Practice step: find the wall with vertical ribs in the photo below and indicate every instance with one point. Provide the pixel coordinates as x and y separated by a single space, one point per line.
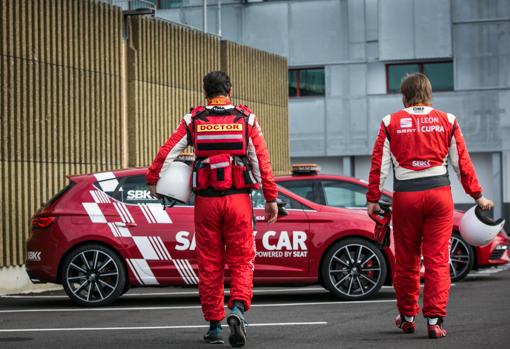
61 97
59 104
166 63
259 81
165 81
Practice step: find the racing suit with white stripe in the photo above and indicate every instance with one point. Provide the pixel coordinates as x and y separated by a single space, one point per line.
223 222
420 142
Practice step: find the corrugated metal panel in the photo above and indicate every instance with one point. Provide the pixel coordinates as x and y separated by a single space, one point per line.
61 94
259 80
166 65
60 104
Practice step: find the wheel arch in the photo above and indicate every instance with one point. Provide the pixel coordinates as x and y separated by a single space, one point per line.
475 251
86 242
350 235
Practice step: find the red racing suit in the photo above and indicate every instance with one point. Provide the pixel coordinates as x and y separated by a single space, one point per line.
223 219
417 142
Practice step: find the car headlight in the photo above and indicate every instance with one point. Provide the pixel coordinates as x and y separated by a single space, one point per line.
501 247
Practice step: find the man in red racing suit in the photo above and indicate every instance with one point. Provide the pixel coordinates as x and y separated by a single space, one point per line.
417 141
224 216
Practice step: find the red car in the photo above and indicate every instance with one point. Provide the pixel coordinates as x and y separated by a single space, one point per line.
348 192
105 233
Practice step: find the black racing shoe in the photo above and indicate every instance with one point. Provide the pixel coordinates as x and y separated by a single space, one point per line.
213 336
237 325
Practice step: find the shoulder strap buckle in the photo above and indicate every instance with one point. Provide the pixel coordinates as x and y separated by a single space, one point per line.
198 112
244 110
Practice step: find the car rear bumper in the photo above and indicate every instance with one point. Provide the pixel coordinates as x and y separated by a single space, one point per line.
42 256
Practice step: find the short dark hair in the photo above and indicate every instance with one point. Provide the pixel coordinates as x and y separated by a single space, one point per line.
416 89
216 83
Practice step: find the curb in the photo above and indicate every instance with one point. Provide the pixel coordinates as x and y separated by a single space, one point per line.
14 280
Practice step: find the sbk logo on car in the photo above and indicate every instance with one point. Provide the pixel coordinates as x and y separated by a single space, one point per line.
34 256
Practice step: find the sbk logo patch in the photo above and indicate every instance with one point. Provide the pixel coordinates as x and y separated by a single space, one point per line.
421 163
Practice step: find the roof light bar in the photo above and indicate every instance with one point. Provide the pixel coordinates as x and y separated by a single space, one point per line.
305 169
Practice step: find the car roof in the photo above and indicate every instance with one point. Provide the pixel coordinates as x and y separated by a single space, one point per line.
131 171
320 176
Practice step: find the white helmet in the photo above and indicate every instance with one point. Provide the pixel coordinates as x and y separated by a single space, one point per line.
478 229
174 183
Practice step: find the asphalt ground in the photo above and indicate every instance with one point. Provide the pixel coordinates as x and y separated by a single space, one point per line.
290 317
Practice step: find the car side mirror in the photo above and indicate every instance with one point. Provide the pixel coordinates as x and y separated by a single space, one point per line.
281 207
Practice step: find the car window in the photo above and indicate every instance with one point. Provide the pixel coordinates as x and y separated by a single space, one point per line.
305 189
290 202
259 201
257 198
345 194
134 190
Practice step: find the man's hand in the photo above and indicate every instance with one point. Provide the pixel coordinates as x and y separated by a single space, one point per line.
271 209
484 203
373 207
152 189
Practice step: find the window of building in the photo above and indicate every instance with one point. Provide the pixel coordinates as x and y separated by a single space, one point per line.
138 4
168 4
306 82
440 74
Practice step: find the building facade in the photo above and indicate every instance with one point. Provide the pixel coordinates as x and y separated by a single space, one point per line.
346 58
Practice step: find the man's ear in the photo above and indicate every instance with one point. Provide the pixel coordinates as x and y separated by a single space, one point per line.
229 92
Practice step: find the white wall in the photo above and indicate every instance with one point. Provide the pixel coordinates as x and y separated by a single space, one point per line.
414 29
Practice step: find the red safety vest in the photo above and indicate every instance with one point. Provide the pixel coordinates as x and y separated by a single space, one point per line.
220 140
220 131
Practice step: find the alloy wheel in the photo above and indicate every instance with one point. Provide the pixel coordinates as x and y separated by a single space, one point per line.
92 276
460 258
355 270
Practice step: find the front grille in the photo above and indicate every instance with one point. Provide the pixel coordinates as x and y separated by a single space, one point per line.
497 254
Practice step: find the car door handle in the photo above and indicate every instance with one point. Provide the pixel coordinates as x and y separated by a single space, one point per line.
122 224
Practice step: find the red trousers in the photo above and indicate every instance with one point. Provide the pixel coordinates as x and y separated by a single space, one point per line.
422 224
224 234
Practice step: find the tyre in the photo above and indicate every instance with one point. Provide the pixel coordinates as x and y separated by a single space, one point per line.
462 258
353 269
93 275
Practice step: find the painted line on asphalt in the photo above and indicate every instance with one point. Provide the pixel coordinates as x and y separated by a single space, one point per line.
271 324
421 286
179 293
184 293
63 310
